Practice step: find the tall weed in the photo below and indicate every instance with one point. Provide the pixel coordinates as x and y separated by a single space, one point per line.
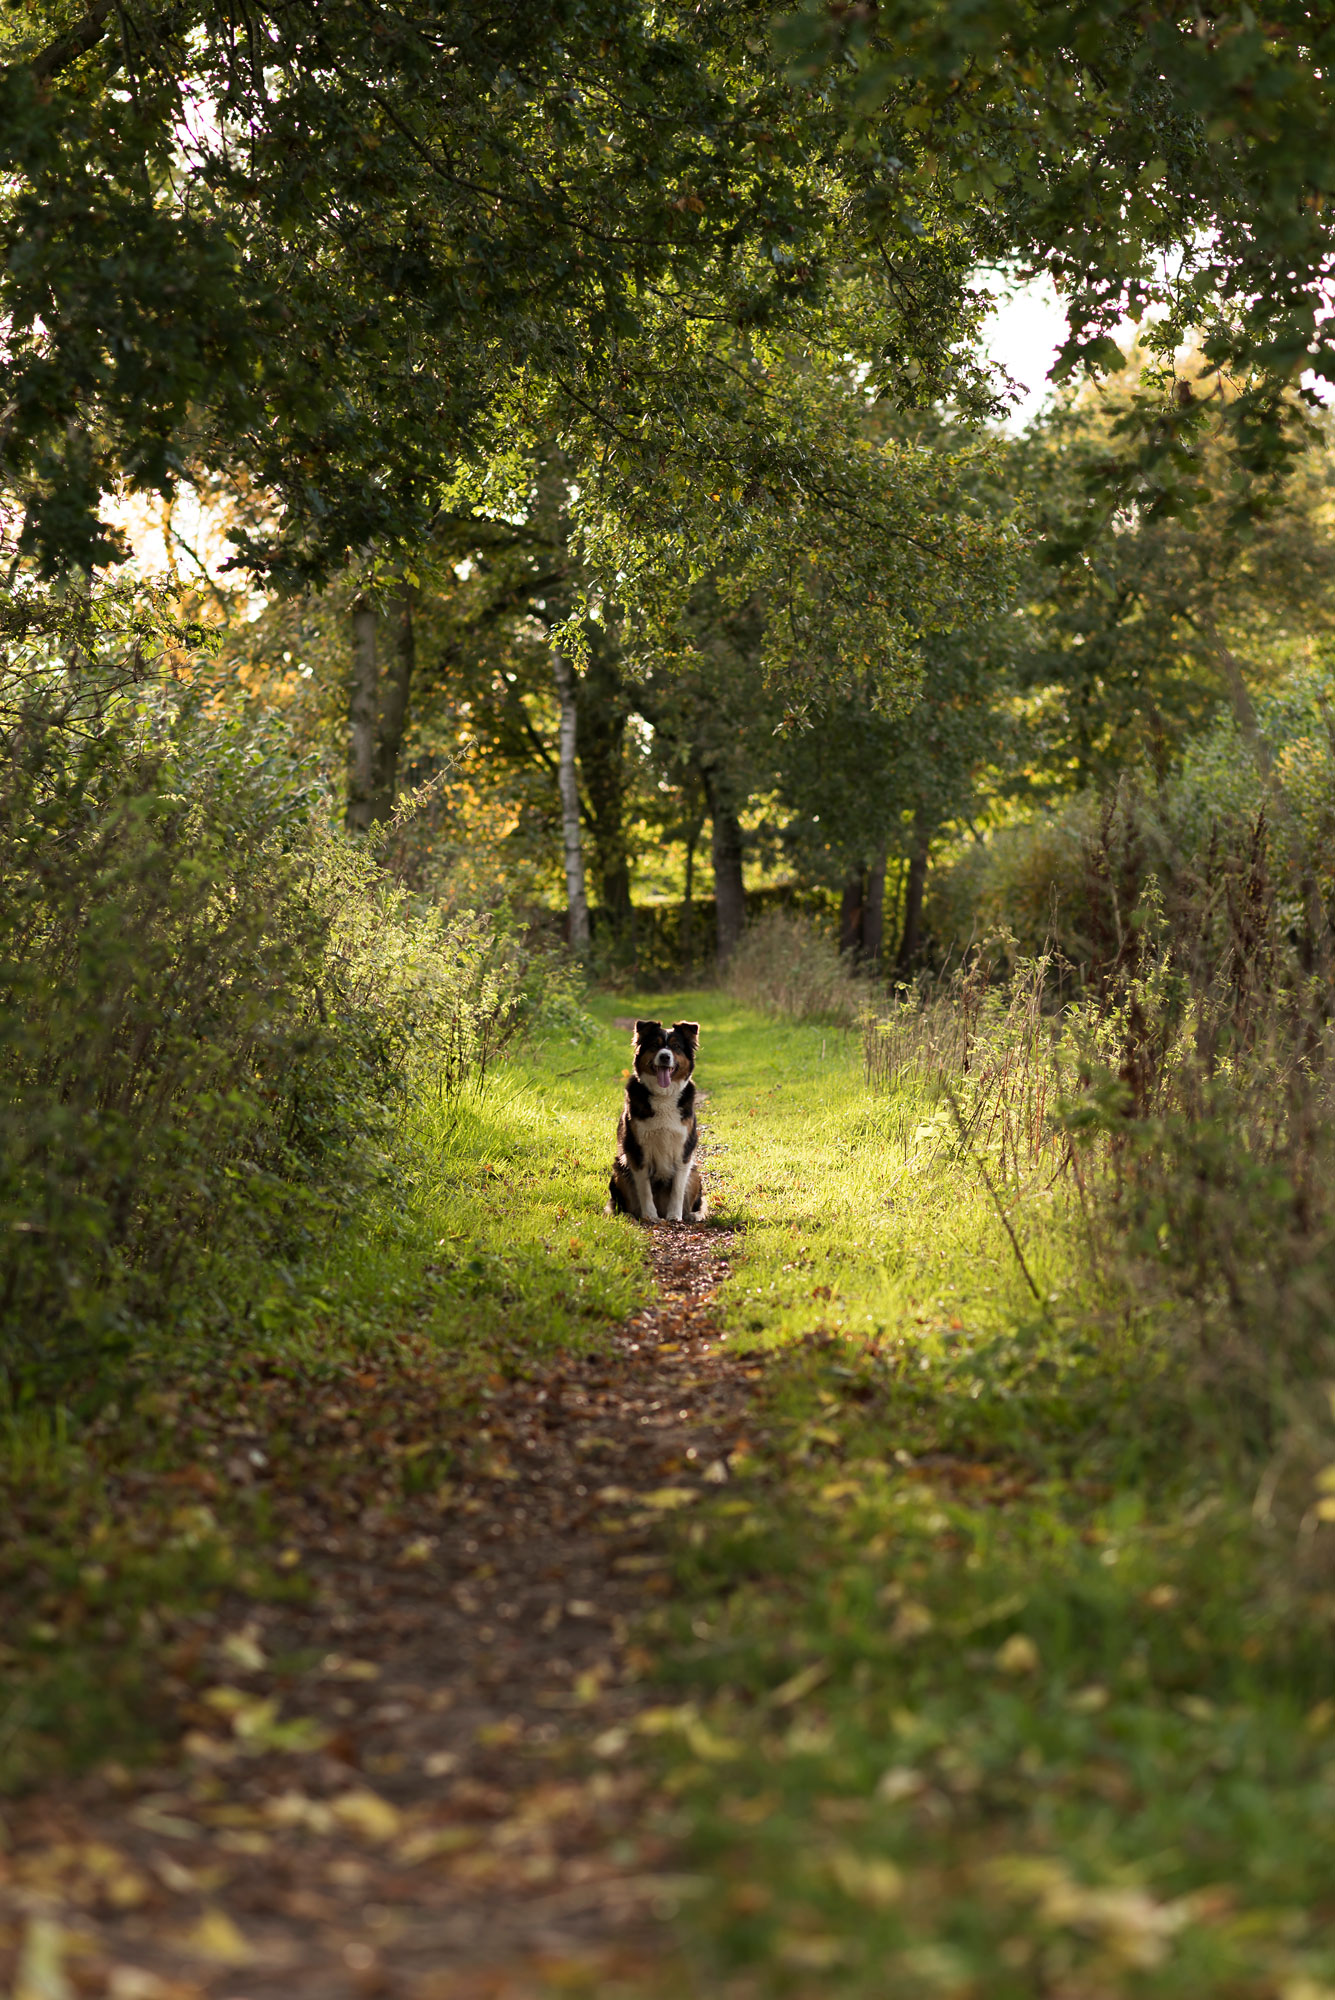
1182 1094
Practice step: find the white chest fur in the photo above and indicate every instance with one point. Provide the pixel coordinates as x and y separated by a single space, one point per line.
663 1134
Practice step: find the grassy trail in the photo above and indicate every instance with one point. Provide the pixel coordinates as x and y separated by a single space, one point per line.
863 1629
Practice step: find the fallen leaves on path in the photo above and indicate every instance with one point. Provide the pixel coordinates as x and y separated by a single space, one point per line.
410 1783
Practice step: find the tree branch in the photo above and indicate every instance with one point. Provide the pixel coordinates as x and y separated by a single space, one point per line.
67 49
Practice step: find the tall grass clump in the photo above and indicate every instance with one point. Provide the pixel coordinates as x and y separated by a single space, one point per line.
1181 1094
211 1003
785 965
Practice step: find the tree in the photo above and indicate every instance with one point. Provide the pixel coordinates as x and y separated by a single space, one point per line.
1145 153
1141 627
343 247
861 788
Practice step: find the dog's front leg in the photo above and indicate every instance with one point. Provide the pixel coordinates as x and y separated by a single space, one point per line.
677 1197
644 1194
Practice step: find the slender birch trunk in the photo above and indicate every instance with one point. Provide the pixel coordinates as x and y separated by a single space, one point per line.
363 714
577 900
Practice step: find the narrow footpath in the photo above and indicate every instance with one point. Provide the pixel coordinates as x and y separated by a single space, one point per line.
416 1783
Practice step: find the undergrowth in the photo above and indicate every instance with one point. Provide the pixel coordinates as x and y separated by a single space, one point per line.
136 1533
1002 1662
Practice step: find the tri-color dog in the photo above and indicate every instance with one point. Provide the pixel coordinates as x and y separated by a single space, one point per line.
654 1175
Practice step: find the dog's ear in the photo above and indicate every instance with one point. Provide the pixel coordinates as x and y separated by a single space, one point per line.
689 1032
643 1028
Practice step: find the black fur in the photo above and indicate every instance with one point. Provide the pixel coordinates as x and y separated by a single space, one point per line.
657 1135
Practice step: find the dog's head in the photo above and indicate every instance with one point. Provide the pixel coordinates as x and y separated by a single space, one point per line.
664 1056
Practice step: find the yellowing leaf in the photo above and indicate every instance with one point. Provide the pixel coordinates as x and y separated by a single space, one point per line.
1017 1655
433 1841
366 1813
901 1781
243 1649
661 1721
419 1550
912 1621
710 1747
339 1669
41 1967
255 1719
665 1498
867 1878
216 1937
800 1684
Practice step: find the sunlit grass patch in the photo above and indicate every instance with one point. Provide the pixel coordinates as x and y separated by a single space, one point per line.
355 1369
987 1685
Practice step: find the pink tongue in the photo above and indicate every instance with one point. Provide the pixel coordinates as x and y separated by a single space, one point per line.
664 1078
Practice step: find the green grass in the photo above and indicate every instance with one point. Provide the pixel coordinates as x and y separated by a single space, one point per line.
486 1248
987 1684
980 1676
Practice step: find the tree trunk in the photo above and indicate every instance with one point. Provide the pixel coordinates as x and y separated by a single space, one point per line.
602 713
850 911
729 890
911 941
577 901
395 696
362 716
873 909
691 832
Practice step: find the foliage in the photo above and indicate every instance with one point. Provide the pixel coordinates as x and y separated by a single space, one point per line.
1141 630
211 1002
1164 166
409 245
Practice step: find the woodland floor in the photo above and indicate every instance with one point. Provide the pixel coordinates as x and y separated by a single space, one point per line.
463 1827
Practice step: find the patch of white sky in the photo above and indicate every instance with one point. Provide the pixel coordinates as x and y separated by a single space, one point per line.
1027 329
1023 335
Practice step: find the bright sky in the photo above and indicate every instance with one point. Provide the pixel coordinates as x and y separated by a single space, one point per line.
1024 334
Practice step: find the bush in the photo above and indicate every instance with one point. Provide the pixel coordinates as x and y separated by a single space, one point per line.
209 1003
1183 1096
785 965
1030 879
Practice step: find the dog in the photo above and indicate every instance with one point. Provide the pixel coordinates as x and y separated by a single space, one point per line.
655 1175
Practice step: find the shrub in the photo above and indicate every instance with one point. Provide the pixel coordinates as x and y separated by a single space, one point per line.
785 965
209 1003
1183 1095
1029 879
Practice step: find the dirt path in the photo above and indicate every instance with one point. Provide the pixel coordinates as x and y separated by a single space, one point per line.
468 1825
